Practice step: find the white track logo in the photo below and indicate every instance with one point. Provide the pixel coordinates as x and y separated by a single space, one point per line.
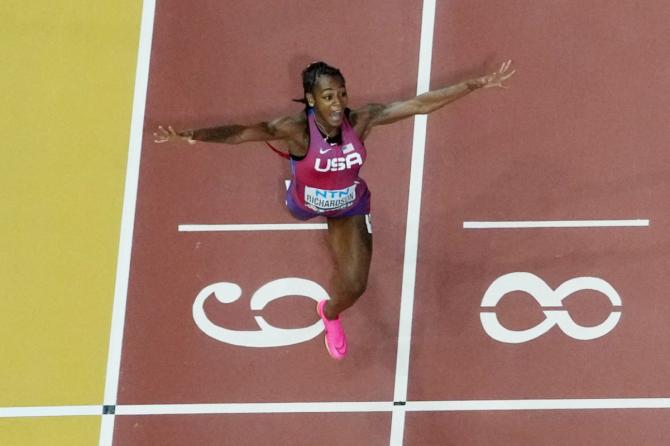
546 297
268 335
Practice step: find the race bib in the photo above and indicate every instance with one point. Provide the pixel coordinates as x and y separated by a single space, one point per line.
321 200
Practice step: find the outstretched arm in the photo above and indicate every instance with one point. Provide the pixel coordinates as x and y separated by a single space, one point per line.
380 114
282 128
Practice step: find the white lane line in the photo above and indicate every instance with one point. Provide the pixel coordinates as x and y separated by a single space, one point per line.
178 409
337 407
412 234
554 224
107 430
254 227
128 218
551 404
49 411
397 425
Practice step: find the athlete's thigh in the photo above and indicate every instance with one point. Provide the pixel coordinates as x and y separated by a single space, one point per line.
351 243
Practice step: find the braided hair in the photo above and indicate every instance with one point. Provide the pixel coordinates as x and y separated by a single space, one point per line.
311 74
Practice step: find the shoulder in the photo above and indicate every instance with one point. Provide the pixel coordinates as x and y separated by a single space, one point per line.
365 114
363 118
288 125
289 122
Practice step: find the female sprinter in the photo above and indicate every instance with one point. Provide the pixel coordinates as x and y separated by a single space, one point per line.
325 145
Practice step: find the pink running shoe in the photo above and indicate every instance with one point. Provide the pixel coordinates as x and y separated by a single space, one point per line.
336 341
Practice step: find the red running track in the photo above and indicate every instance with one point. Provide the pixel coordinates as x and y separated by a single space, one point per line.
579 136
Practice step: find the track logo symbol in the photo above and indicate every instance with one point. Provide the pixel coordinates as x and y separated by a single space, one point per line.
546 297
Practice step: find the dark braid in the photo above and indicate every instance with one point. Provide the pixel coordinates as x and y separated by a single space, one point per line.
311 74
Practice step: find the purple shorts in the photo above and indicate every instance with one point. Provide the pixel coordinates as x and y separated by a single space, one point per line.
360 208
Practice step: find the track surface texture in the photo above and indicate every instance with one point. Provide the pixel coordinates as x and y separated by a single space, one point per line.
580 135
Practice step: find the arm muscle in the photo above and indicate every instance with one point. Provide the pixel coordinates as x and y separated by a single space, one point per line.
279 129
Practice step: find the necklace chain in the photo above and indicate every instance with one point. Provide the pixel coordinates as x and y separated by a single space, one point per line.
328 134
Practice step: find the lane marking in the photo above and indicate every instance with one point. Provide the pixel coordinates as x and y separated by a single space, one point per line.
107 430
398 410
549 404
412 231
398 425
49 411
178 409
554 224
127 219
254 227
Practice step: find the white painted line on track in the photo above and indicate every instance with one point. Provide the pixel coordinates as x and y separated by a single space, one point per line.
338 407
107 430
128 218
550 404
554 224
412 231
178 409
49 411
254 227
397 425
